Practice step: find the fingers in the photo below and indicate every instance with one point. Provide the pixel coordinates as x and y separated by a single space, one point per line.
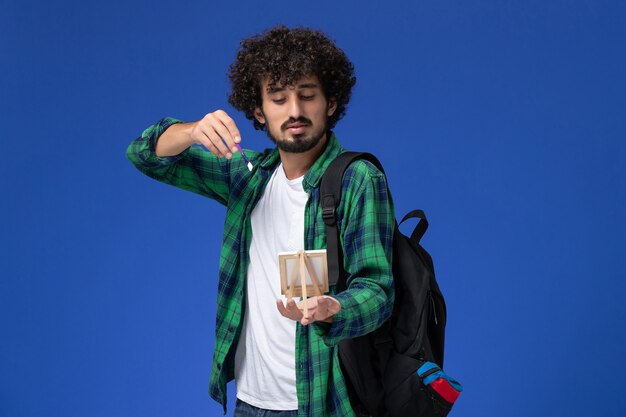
227 130
315 309
294 311
291 310
320 308
218 133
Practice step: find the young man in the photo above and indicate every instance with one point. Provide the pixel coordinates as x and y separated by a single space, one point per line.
294 84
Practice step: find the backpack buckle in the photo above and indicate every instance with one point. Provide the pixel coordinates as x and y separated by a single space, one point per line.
328 210
328 214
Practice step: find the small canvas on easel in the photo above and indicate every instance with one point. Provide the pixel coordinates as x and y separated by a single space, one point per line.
303 273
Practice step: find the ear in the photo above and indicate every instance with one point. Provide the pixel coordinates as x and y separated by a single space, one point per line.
332 106
258 115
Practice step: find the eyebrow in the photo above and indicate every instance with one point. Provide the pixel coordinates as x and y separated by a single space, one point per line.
276 89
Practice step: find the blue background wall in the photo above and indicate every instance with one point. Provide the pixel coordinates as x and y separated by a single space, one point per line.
504 120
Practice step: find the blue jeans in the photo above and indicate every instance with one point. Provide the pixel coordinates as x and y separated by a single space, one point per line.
243 409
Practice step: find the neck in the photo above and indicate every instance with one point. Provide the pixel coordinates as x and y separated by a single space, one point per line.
298 164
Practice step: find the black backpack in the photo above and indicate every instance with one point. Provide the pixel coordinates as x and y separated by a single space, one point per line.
397 370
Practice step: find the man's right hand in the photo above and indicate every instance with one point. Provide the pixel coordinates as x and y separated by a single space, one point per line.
216 131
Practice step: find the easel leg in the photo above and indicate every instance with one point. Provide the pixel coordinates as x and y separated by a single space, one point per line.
316 283
294 277
303 283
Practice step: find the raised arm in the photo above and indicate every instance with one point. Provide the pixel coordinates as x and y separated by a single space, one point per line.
166 153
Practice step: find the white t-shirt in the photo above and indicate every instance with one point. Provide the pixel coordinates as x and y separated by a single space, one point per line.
265 357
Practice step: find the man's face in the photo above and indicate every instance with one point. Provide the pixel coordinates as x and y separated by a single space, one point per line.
295 116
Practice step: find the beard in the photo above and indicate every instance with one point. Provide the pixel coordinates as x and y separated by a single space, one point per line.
300 143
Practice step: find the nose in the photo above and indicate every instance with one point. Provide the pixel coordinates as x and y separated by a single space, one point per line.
295 108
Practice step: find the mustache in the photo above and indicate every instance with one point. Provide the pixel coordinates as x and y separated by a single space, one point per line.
293 120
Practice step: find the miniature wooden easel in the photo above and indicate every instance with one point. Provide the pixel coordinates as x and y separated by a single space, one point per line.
299 270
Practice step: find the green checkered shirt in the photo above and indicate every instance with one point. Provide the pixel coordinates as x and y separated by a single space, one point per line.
366 223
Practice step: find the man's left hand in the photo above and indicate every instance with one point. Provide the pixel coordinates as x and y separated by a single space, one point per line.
321 308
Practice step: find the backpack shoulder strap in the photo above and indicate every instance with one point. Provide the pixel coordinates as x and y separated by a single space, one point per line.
330 197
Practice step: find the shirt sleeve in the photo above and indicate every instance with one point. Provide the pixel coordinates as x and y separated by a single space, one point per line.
195 169
366 230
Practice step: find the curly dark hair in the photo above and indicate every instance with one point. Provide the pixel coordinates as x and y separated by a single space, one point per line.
286 55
